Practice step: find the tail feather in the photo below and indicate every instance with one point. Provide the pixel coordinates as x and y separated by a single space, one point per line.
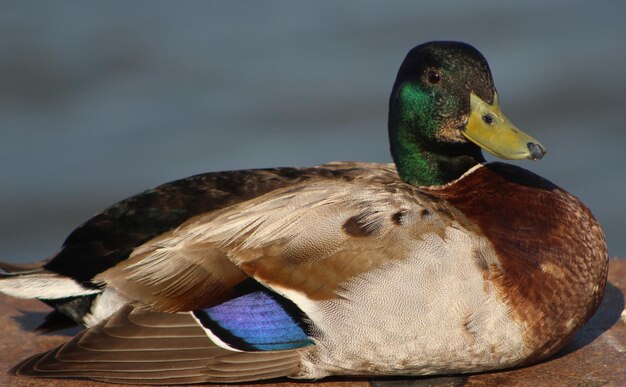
42 284
68 297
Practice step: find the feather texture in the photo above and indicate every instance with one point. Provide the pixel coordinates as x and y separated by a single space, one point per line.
311 237
138 346
258 321
44 285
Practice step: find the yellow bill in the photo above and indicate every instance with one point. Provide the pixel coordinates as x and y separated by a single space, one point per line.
488 128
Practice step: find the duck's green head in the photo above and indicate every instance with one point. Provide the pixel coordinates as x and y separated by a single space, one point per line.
443 109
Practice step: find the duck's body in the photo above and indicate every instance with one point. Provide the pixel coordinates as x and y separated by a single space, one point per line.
341 269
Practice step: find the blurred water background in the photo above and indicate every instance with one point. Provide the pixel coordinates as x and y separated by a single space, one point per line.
100 100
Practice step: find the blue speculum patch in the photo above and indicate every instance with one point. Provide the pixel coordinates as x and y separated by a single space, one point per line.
257 321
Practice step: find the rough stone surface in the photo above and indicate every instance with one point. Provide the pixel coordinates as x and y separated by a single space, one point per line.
595 357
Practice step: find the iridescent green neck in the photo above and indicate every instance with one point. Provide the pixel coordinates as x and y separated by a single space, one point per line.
421 157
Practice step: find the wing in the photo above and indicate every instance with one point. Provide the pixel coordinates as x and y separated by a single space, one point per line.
139 346
65 282
308 238
110 236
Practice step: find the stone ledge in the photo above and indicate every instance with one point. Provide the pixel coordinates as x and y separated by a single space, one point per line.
595 357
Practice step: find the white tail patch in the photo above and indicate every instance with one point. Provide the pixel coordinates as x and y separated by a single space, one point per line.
43 285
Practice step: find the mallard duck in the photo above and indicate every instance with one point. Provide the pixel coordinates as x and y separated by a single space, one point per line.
440 264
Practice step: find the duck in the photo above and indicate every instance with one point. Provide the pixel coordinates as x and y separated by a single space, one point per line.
437 263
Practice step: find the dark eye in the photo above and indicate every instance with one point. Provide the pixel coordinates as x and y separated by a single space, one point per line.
488 119
433 76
